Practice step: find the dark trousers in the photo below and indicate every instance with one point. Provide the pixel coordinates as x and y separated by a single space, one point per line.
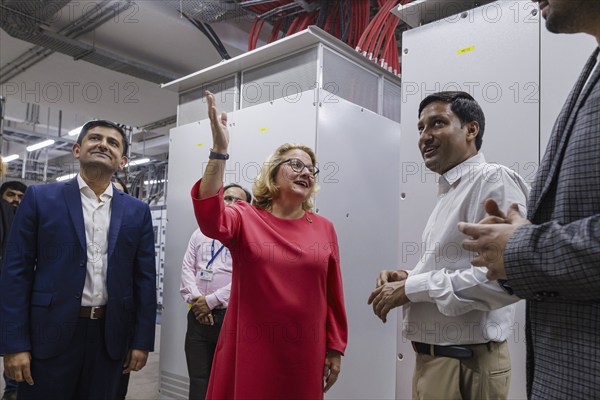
123 386
10 385
83 372
200 344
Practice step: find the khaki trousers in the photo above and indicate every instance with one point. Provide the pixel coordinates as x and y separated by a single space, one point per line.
485 376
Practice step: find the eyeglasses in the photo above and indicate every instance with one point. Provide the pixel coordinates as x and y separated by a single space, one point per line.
298 166
232 199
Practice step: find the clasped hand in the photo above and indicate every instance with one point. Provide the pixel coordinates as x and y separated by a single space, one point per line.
389 293
202 311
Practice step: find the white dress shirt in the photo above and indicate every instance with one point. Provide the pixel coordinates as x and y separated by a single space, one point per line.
96 218
451 301
200 251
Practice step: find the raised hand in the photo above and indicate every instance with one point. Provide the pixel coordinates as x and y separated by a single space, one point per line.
218 125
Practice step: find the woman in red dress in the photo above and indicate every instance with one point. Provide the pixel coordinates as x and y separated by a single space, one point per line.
285 329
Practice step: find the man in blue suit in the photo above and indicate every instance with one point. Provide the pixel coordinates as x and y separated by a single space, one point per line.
78 288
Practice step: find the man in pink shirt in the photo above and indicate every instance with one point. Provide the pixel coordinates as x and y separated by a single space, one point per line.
205 286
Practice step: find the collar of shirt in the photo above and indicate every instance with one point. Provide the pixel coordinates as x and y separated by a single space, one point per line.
454 175
89 193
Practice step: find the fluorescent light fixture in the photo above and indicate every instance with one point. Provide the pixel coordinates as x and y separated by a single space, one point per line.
10 158
154 181
74 132
40 145
138 162
66 177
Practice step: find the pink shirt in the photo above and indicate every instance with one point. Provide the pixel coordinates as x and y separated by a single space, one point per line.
199 252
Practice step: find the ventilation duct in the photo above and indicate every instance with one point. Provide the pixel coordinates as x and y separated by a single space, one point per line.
208 11
29 20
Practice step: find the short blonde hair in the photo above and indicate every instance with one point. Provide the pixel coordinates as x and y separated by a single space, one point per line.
265 190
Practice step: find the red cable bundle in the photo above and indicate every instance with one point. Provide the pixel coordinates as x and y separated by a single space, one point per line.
255 32
331 17
369 36
376 39
309 19
359 20
387 35
275 31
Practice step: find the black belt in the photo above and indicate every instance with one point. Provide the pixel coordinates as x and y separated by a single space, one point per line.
92 312
453 351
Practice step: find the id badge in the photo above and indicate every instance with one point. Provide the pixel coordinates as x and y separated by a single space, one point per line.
205 275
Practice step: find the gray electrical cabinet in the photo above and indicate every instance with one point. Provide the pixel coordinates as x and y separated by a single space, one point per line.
311 89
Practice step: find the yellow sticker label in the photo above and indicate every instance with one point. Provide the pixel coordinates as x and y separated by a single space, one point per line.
261 130
465 50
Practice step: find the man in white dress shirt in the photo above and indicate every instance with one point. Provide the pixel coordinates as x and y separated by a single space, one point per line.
458 320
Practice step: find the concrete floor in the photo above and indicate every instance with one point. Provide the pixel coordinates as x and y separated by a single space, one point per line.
143 385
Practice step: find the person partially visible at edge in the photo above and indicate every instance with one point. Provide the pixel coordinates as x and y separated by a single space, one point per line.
12 192
552 258
7 211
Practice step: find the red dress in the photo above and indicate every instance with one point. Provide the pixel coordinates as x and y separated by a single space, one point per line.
286 305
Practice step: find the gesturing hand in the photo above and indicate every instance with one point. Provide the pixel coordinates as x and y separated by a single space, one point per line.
218 125
489 237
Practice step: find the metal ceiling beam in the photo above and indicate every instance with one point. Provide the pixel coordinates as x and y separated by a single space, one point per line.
27 20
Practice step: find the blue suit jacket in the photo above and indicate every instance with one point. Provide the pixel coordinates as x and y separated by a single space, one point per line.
45 267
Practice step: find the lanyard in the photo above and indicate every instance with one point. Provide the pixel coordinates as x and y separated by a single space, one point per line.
213 254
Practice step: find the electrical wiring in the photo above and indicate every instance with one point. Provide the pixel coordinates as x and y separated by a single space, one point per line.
351 7
210 34
293 25
369 36
330 18
341 22
257 30
357 21
386 35
385 27
322 13
275 31
349 20
223 51
251 35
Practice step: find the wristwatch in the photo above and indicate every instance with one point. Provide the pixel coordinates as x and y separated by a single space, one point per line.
217 156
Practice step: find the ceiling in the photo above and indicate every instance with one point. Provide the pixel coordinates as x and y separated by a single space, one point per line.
63 92
65 62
